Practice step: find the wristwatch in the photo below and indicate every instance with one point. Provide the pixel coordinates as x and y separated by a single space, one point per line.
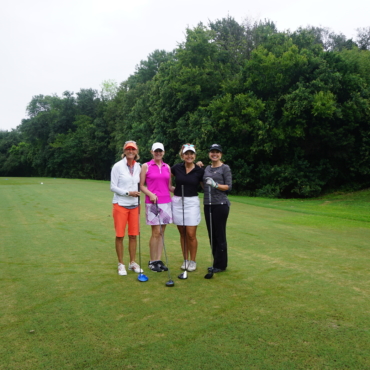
126 194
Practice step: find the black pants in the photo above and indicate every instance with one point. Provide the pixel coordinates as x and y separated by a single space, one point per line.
220 213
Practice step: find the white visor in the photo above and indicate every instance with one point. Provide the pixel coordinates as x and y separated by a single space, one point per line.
187 148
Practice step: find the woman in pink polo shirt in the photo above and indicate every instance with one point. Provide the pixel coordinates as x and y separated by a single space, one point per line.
155 183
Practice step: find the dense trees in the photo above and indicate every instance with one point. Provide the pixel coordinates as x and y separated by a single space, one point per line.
292 110
64 136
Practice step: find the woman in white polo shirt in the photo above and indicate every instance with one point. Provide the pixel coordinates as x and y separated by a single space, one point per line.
125 180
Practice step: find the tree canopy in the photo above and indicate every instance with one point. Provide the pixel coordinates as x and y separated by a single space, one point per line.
291 109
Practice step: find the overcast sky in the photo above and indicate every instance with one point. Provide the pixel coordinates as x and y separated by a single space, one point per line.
49 46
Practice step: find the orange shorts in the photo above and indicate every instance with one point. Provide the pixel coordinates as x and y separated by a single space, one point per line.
123 216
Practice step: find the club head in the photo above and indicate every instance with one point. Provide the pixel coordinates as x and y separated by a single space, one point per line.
170 283
184 275
209 275
142 277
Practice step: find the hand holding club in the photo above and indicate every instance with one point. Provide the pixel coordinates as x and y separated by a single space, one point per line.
211 182
153 198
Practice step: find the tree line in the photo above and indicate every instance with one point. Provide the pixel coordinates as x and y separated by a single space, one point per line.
290 109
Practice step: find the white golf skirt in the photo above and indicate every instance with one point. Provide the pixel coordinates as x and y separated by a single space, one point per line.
191 212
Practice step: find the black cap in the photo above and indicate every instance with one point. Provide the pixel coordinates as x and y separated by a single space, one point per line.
215 147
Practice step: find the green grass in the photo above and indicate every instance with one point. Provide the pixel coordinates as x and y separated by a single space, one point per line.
295 296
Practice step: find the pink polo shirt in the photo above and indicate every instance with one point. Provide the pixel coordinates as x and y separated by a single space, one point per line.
157 180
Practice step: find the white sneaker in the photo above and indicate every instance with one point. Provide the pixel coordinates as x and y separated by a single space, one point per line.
133 266
121 269
185 265
192 266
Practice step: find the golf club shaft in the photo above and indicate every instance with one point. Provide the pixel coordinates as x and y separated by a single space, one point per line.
162 235
210 220
184 275
210 273
141 276
183 224
138 219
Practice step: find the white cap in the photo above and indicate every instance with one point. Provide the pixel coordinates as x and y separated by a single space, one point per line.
156 146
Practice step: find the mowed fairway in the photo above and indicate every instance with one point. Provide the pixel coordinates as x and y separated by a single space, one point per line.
296 294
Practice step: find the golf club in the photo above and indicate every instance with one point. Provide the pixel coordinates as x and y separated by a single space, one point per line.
184 275
170 282
209 275
141 276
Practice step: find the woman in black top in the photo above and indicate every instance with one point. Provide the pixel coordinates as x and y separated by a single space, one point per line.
218 179
187 216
